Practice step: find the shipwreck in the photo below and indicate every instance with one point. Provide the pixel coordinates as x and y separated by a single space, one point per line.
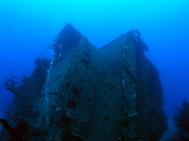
87 94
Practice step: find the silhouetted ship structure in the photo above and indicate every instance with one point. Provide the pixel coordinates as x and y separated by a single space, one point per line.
89 94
